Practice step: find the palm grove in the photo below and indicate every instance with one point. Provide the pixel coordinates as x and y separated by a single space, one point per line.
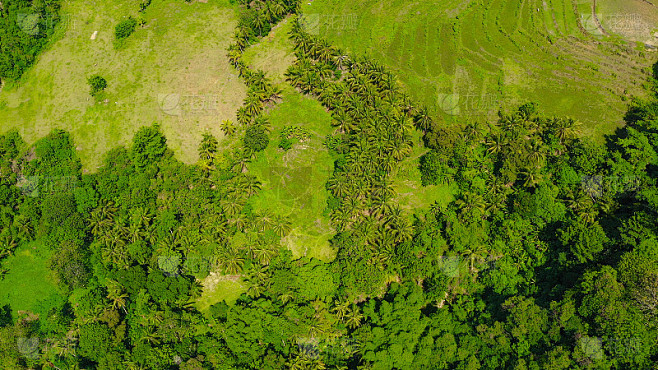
547 257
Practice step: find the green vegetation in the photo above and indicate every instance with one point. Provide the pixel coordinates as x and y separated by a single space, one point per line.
335 223
97 84
25 29
125 28
164 73
465 59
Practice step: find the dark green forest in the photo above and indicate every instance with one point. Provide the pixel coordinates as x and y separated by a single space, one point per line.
25 27
547 259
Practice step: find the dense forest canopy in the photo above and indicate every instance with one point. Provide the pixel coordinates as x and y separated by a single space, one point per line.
25 26
546 258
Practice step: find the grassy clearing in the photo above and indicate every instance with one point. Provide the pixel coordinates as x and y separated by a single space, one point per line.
494 53
274 53
411 195
294 180
173 71
217 288
28 286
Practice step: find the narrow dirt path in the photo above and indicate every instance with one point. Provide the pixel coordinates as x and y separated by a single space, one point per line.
596 19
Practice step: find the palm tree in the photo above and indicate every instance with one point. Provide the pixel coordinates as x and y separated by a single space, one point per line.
532 178
536 155
228 127
340 60
496 143
231 261
281 225
208 147
98 223
264 254
24 227
286 297
250 184
7 245
241 162
263 123
150 335
265 220
353 317
232 205
341 308
565 128
116 295
473 254
143 216
423 120
471 202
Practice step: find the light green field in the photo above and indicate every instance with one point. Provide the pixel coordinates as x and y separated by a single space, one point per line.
484 54
631 20
28 286
274 53
217 288
172 71
411 195
294 180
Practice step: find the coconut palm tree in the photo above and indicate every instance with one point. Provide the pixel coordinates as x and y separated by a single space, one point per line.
24 227
353 317
423 120
341 308
228 127
150 335
281 225
249 184
7 245
231 261
471 202
117 295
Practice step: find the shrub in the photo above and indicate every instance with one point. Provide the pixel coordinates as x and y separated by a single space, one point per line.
125 28
97 84
256 138
285 143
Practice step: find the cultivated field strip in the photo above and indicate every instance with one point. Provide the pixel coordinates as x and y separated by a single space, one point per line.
517 50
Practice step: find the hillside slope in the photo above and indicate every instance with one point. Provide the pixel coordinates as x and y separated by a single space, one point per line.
466 58
173 70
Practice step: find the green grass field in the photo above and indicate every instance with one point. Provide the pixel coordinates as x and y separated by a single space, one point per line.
274 53
28 285
411 195
173 71
217 288
294 180
464 59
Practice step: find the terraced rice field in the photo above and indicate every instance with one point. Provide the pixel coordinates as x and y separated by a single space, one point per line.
465 59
